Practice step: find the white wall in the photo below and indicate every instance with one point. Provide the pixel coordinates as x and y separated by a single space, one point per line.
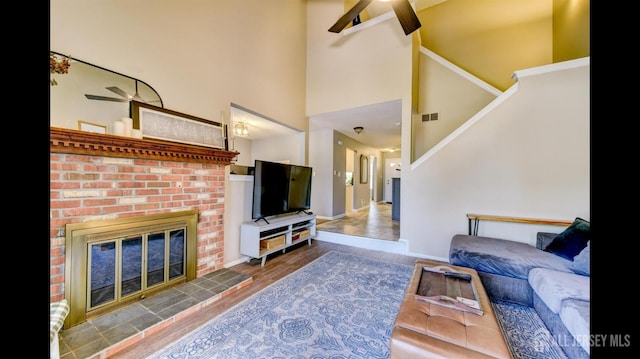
345 71
529 157
444 90
200 56
244 147
237 209
289 148
321 145
362 68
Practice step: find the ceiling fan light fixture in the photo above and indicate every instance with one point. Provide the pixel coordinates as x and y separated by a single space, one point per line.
403 9
241 129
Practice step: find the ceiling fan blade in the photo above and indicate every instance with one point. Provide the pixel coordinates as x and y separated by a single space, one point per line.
104 98
119 92
407 17
349 16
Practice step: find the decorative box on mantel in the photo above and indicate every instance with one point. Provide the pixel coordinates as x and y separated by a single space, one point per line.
64 140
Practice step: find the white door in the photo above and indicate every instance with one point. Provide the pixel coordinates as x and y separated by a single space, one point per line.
391 170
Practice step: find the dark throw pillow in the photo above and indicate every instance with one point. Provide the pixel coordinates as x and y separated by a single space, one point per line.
572 240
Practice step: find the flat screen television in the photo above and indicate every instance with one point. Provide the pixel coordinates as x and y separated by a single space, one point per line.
280 188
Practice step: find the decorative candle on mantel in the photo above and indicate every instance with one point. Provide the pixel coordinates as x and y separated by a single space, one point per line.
128 126
135 133
118 128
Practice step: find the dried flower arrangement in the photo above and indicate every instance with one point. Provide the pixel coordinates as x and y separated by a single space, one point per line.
58 66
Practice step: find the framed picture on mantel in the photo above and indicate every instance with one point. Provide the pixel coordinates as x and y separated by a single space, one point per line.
91 127
162 124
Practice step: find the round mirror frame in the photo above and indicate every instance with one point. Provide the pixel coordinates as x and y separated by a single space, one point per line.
91 98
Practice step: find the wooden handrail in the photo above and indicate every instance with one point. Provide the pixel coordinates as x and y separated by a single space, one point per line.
474 220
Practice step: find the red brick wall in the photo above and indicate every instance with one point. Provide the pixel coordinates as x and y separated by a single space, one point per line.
86 188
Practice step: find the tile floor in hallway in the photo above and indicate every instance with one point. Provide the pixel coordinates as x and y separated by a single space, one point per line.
373 222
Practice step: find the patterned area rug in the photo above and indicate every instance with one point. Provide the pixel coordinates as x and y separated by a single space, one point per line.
525 332
338 306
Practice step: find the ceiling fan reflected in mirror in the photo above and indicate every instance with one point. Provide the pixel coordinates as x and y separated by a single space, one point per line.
403 9
124 97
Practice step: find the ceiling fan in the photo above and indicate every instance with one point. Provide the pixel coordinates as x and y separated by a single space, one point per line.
407 17
125 96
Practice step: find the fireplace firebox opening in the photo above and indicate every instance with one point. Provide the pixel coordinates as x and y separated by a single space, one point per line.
114 262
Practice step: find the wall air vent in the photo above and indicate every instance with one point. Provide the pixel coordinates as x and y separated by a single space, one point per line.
430 117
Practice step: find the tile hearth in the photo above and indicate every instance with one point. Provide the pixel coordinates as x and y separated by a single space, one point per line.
110 332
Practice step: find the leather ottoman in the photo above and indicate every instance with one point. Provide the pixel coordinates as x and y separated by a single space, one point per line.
426 330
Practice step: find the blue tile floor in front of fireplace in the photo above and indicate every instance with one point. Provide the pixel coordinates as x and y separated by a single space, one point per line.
99 333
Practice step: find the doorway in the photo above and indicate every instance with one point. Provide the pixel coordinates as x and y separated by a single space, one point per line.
391 170
374 191
349 194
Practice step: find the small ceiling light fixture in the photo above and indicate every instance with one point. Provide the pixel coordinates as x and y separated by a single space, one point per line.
241 129
358 129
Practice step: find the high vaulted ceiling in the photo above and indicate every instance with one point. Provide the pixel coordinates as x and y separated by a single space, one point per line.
381 122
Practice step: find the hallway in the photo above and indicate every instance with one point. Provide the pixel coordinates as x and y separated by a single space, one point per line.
374 222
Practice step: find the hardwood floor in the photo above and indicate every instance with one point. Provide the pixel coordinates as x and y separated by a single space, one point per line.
276 267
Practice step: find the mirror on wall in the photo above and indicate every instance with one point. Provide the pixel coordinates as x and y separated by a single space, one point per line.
92 98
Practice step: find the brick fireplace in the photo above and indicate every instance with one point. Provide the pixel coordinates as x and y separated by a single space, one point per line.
104 177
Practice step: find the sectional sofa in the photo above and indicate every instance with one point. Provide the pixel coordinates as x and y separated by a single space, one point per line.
553 277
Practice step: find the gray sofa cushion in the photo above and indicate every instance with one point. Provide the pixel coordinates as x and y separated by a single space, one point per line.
501 256
559 330
581 262
575 315
554 287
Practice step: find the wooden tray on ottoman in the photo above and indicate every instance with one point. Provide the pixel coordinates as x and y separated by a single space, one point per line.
448 287
424 329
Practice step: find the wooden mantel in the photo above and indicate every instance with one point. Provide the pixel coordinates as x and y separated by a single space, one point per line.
63 140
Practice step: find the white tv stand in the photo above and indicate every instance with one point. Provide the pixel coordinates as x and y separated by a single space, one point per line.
290 226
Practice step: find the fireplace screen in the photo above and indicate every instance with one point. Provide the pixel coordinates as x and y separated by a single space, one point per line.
128 266
110 263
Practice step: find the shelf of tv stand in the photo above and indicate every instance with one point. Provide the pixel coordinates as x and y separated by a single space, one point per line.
253 232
